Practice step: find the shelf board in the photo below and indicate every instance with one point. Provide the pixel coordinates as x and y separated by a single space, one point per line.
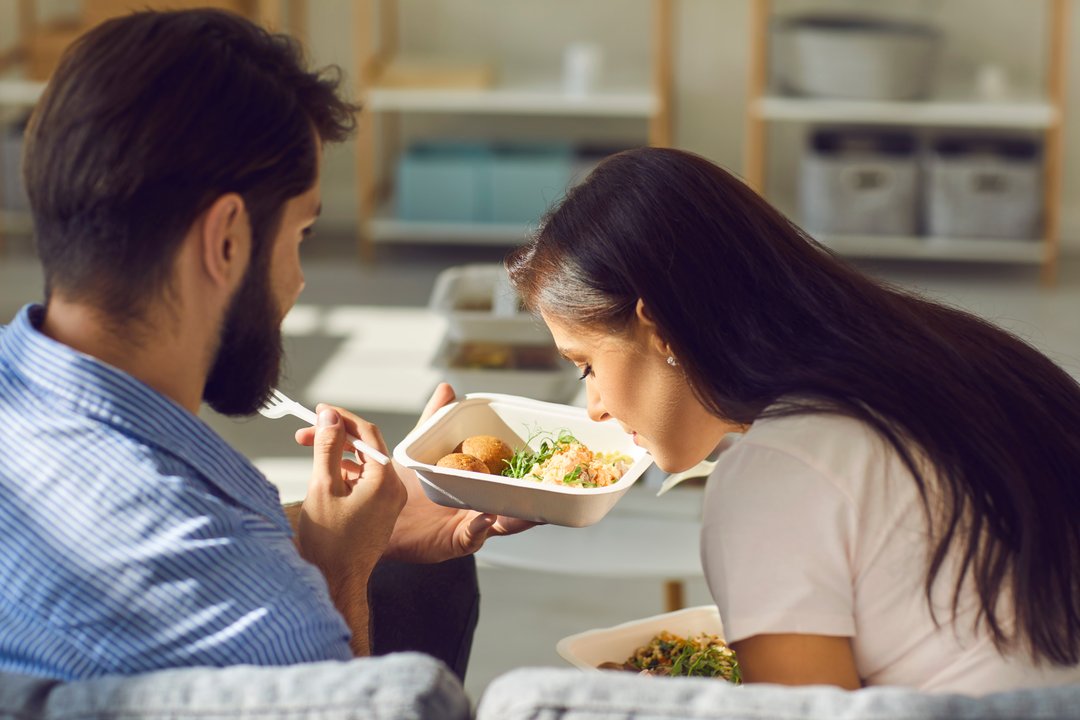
392 230
937 248
516 100
1027 114
386 229
15 92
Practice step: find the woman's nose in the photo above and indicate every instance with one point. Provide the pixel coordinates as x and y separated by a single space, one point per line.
595 406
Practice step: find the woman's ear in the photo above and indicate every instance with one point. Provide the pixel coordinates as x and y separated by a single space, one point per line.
647 325
225 238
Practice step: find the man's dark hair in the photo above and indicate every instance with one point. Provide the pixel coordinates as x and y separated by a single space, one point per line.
151 117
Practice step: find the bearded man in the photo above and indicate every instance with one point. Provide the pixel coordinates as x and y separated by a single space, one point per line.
172 167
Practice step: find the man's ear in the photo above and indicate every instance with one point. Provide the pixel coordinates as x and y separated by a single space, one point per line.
225 239
647 324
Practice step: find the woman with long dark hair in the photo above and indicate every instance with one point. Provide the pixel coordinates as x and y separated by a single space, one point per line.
905 506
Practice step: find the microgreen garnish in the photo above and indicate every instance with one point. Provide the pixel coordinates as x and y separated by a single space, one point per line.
572 476
692 656
524 458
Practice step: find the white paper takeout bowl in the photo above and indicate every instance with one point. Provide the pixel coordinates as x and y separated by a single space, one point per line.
590 648
514 419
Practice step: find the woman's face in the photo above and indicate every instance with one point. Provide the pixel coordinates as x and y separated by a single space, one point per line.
628 378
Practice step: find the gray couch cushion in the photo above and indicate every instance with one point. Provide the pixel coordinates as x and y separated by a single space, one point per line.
400 686
570 694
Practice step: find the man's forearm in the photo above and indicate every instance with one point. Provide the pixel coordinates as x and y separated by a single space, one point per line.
292 514
349 594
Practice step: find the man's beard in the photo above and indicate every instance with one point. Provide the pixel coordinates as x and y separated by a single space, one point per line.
248 361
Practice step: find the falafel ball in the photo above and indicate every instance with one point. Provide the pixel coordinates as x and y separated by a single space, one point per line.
492 451
463 461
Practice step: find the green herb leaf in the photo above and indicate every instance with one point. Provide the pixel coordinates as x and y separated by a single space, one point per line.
524 458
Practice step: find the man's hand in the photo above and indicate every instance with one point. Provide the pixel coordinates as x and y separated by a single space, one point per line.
348 515
427 532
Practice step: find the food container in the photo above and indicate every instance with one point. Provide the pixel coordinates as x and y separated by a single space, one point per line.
515 420
526 179
856 57
479 304
589 649
984 188
531 370
444 182
860 182
450 181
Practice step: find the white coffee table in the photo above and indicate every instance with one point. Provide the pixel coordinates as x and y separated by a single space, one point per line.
643 536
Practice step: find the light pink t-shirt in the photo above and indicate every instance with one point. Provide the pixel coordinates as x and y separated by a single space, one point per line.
812 524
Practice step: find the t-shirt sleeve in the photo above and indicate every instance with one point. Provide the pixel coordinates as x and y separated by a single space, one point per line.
777 545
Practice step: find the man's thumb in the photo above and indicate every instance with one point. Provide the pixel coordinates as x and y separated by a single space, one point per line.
476 532
329 446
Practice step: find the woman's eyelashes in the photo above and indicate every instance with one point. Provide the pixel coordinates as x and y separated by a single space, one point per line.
585 371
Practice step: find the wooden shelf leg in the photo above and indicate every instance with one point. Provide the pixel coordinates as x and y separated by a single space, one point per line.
755 151
364 46
663 70
298 16
365 184
268 14
674 595
1053 144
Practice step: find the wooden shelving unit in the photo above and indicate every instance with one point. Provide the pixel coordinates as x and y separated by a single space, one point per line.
1041 113
376 37
20 92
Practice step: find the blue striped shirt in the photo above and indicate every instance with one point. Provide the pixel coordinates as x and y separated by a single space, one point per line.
132 537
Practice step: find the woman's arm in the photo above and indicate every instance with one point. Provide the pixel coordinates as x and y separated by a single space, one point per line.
791 659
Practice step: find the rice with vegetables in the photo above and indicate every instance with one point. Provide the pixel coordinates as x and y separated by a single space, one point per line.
564 460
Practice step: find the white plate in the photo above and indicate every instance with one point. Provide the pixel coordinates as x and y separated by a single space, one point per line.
615 644
514 419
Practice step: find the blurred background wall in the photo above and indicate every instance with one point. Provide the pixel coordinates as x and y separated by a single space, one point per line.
711 51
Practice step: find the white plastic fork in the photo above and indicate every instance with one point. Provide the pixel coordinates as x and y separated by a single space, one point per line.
279 405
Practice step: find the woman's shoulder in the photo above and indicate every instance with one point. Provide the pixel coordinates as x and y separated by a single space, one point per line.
844 449
813 432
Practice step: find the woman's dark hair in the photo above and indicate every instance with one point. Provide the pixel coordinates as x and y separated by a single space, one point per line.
760 316
151 117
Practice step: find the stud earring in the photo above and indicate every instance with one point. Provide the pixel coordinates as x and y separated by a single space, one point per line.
671 361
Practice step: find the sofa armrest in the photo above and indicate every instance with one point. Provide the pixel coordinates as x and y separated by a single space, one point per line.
404 686
571 694
23 697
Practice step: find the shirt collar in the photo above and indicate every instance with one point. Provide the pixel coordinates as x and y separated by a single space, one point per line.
94 389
